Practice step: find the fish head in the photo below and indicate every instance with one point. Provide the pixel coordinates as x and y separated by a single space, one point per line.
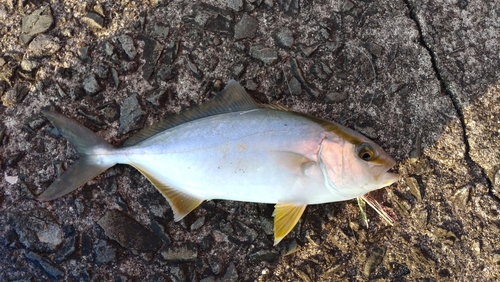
353 165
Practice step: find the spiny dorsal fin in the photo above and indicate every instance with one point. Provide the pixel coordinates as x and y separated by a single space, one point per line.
286 217
181 203
233 98
275 107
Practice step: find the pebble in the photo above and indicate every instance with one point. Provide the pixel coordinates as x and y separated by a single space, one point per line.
160 31
246 27
94 20
115 78
283 38
45 264
235 5
297 72
336 97
66 250
180 253
193 68
321 71
43 45
294 86
35 23
127 44
231 274
289 7
128 232
263 255
267 55
131 115
37 230
151 54
91 86
15 95
103 252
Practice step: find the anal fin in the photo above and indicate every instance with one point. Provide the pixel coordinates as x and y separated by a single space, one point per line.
181 203
286 217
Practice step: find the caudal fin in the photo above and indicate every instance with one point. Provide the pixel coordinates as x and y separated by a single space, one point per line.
88 145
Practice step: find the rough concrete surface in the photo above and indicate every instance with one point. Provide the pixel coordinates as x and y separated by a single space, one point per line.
421 78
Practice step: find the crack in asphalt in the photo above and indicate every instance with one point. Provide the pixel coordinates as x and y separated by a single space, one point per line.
474 168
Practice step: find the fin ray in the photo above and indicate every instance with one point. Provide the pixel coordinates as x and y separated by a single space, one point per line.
233 98
286 217
84 169
182 204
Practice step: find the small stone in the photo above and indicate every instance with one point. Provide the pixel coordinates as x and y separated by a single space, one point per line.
308 50
102 71
129 233
235 5
35 23
336 97
414 188
15 95
231 274
267 55
115 78
109 49
294 87
237 70
374 259
91 86
193 68
46 265
297 72
263 255
127 44
43 45
83 54
170 53
37 230
321 71
94 20
67 249
198 223
215 264
180 254
151 54
166 73
246 27
289 7
160 31
283 38
131 115
103 252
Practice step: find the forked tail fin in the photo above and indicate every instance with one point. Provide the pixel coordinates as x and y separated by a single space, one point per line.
92 149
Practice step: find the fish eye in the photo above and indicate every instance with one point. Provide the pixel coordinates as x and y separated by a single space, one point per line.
365 152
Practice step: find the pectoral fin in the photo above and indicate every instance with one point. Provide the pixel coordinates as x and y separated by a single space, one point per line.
181 203
286 217
297 163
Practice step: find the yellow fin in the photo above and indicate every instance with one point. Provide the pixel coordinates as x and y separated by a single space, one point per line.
181 203
286 217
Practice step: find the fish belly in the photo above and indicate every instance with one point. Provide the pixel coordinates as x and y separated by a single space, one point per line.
236 156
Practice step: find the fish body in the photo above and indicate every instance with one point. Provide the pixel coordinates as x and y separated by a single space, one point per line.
232 149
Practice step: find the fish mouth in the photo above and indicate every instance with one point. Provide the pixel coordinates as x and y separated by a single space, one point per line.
382 174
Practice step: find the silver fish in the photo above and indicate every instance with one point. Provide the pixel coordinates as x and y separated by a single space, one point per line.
230 148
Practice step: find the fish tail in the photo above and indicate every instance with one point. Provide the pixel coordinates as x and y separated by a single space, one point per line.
92 149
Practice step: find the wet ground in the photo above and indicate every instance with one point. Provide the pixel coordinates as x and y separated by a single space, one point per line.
421 78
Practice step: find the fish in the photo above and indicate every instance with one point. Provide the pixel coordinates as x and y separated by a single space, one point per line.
231 148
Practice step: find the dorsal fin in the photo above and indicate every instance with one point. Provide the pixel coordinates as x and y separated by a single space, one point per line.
233 98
